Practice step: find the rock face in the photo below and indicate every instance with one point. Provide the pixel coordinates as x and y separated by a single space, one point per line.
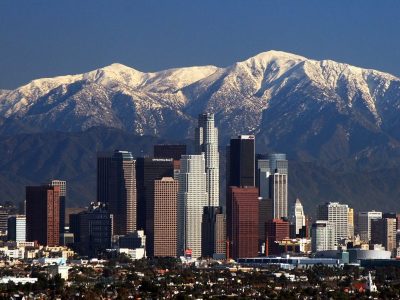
335 116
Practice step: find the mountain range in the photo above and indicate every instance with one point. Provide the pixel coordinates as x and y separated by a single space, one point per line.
339 124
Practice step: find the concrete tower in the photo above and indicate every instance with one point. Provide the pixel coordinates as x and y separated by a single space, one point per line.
192 198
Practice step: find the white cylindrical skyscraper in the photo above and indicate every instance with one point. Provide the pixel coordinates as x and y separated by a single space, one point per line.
206 141
192 198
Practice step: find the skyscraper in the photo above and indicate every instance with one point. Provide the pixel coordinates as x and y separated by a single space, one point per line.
43 214
275 230
241 161
213 231
92 230
206 141
337 214
323 236
383 231
63 194
116 187
17 228
169 151
192 197
148 170
297 217
364 223
164 237
242 221
272 180
279 194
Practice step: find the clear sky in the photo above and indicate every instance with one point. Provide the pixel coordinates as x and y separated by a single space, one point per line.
47 38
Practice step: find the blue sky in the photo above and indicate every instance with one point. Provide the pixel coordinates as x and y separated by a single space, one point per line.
47 38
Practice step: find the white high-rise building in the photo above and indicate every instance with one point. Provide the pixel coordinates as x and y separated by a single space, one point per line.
272 181
364 223
192 197
206 141
323 236
279 194
17 228
337 214
297 217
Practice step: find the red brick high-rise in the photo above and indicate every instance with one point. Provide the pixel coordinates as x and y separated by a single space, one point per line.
163 239
242 222
275 230
43 214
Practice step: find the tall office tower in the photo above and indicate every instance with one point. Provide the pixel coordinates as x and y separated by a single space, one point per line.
279 194
220 236
192 197
16 229
297 217
275 230
169 151
398 221
148 170
383 231
92 230
337 214
278 163
241 161
262 175
3 220
206 141
164 239
242 222
63 194
323 236
43 214
212 231
350 228
364 223
116 187
265 213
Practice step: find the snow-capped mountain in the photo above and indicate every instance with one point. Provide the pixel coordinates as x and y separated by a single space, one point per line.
306 107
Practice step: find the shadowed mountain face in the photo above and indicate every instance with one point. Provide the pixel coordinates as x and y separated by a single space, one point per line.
339 124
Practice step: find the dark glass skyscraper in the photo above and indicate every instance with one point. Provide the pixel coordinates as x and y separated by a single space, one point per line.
148 170
43 214
116 187
241 161
92 230
169 151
